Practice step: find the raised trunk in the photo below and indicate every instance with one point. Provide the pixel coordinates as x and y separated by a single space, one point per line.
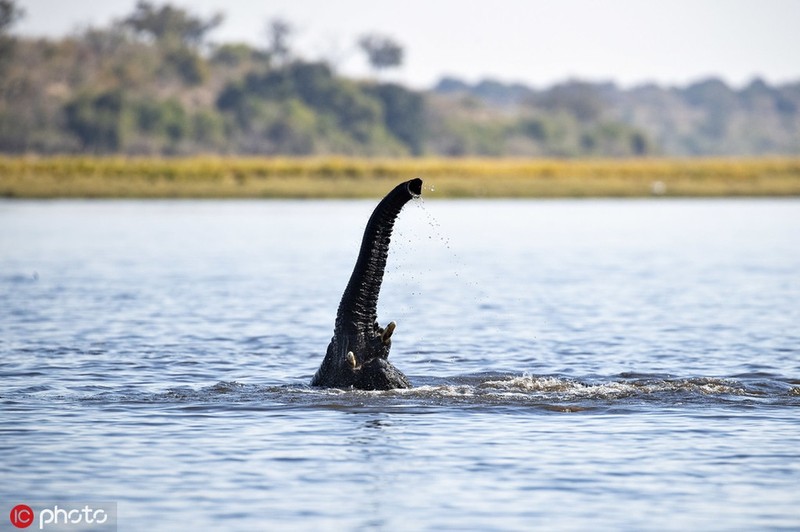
358 307
358 352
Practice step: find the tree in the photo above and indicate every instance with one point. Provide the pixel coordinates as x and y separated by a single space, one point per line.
404 113
178 34
279 34
10 13
382 52
170 25
99 121
586 102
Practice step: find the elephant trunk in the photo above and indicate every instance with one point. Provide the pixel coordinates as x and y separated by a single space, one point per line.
358 307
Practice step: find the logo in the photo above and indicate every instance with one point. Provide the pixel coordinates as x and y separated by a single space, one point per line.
21 516
66 516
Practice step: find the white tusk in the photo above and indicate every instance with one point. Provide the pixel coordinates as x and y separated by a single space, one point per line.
387 333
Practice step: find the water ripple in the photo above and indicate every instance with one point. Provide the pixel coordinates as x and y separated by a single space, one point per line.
485 390
614 365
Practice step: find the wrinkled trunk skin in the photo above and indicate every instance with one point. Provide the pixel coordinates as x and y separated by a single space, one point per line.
357 330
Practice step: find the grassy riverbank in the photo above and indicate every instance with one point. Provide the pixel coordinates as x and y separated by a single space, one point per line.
206 177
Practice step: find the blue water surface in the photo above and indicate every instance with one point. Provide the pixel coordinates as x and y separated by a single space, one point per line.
578 364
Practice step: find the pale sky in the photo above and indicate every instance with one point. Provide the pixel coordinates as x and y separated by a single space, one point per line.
535 42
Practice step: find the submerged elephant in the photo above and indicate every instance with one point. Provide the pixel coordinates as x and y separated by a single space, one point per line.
358 353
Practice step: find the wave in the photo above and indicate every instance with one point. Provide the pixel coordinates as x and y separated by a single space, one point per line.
551 392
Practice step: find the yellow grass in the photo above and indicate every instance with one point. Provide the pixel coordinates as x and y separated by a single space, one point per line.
329 177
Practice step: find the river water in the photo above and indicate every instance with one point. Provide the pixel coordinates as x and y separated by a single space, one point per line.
588 364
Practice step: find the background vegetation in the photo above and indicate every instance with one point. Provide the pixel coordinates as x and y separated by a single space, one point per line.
153 83
706 118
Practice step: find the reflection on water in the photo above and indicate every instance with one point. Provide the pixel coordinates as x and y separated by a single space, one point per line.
577 364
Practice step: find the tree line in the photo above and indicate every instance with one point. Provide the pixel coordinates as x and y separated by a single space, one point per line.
152 83
704 118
